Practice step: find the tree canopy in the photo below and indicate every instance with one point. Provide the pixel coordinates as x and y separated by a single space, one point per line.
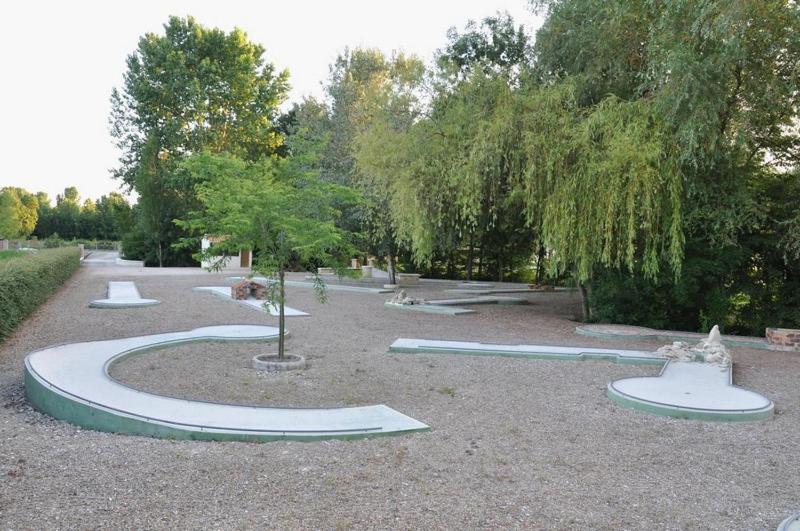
189 90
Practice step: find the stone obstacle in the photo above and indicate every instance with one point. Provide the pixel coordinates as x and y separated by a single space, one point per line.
71 382
684 389
122 294
227 293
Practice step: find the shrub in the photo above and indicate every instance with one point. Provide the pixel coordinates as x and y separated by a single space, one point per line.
27 281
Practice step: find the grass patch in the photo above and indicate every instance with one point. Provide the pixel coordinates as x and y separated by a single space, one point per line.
5 255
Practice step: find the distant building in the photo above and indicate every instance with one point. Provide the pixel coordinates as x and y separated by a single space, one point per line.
242 260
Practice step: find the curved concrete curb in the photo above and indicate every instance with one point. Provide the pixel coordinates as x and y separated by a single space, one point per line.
71 383
123 294
790 524
688 390
640 333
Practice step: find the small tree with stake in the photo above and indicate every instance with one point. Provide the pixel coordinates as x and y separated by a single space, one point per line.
285 214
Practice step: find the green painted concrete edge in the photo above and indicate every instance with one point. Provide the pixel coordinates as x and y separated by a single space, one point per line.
80 413
784 525
530 355
665 410
429 308
115 306
656 336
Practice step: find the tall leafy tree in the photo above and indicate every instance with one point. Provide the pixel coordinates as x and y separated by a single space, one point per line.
19 212
276 207
189 90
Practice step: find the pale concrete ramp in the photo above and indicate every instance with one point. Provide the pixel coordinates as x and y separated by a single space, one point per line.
691 390
123 294
71 382
224 292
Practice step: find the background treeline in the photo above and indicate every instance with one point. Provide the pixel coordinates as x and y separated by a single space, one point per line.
646 151
25 215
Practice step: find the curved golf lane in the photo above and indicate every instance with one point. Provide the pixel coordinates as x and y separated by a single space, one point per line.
71 382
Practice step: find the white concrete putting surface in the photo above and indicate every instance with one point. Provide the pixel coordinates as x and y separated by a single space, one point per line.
224 292
71 382
693 390
122 294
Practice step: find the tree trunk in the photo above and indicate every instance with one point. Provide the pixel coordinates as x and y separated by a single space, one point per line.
585 309
470 256
390 267
480 264
500 266
159 255
281 316
451 266
540 264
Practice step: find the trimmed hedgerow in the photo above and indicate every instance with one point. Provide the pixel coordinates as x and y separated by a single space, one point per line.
27 281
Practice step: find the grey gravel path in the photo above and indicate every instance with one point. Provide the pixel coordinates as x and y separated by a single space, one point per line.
515 443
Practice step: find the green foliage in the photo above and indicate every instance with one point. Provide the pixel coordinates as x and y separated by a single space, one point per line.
186 91
285 214
107 218
18 213
27 281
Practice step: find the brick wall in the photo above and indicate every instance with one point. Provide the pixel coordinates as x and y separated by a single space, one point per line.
244 289
784 338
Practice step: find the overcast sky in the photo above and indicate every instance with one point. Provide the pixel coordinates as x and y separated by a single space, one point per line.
60 61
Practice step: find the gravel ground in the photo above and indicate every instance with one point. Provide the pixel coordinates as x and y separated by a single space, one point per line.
515 443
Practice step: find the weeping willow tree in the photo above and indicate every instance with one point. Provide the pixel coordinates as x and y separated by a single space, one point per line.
602 184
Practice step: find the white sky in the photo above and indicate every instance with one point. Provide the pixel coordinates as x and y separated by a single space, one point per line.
60 60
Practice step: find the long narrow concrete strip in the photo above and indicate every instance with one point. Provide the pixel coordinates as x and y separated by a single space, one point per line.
466 301
638 333
224 292
71 382
691 390
329 286
545 352
122 294
494 291
428 308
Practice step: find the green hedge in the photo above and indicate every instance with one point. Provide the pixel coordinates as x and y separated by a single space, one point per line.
27 281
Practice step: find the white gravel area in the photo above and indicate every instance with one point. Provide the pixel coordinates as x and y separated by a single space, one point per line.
515 443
